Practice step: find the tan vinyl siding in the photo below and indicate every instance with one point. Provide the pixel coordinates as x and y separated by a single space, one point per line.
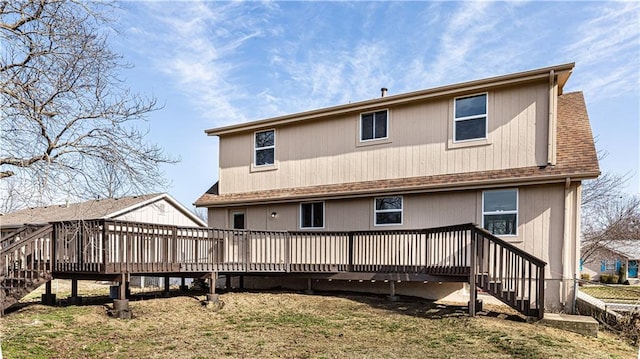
540 217
328 151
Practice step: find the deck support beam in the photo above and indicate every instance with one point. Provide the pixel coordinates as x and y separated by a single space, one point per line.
167 287
48 298
392 291
74 299
213 301
309 289
183 286
121 308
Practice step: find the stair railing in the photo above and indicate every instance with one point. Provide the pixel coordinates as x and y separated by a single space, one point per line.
509 273
26 261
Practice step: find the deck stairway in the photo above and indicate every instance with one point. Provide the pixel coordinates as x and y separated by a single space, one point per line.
101 248
25 262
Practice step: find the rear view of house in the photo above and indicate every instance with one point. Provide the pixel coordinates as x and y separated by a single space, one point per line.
507 153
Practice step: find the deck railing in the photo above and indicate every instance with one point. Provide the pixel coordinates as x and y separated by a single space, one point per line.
109 247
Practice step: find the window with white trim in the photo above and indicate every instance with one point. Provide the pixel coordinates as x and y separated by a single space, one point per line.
470 118
500 211
312 215
265 148
374 125
388 211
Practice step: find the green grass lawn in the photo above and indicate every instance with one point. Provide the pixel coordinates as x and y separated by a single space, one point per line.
625 293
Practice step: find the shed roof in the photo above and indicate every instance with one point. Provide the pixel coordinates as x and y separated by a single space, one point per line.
576 159
93 209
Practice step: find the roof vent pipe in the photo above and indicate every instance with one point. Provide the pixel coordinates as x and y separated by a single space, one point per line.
383 92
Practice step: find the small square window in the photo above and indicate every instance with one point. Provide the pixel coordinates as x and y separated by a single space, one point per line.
374 125
312 215
265 148
470 118
500 211
388 211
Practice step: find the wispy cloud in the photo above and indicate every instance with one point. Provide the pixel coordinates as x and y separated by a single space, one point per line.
197 47
607 50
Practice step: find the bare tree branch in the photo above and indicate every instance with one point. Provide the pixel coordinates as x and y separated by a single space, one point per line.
608 214
65 113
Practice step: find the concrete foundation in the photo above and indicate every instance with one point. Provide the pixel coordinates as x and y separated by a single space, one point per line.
121 309
213 302
48 299
431 290
573 323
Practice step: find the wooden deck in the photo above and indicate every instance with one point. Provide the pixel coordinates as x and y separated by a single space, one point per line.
106 249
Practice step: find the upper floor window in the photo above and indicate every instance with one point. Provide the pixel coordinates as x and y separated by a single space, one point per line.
500 211
312 215
388 211
265 148
374 125
470 118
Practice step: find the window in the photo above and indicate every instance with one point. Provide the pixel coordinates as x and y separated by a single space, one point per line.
610 265
388 211
500 211
373 125
470 118
312 215
265 148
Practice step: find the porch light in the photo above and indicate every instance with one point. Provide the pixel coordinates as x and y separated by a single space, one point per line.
274 214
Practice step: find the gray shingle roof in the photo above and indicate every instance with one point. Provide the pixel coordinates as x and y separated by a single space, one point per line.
94 209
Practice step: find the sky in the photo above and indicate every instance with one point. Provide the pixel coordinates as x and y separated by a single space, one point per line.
219 63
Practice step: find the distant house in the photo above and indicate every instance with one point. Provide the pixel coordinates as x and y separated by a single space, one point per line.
158 208
609 258
507 153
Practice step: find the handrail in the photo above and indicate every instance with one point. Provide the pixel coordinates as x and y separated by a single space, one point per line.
25 228
31 236
510 246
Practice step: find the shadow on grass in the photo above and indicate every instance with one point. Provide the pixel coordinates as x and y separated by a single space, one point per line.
412 306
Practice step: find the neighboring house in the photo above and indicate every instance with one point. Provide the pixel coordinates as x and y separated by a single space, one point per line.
609 258
508 153
158 208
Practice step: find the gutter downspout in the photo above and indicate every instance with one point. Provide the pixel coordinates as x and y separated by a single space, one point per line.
551 144
570 242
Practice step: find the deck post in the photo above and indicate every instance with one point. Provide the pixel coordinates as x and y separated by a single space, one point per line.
392 291
48 298
74 299
183 286
472 274
167 288
212 300
121 308
227 282
309 289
